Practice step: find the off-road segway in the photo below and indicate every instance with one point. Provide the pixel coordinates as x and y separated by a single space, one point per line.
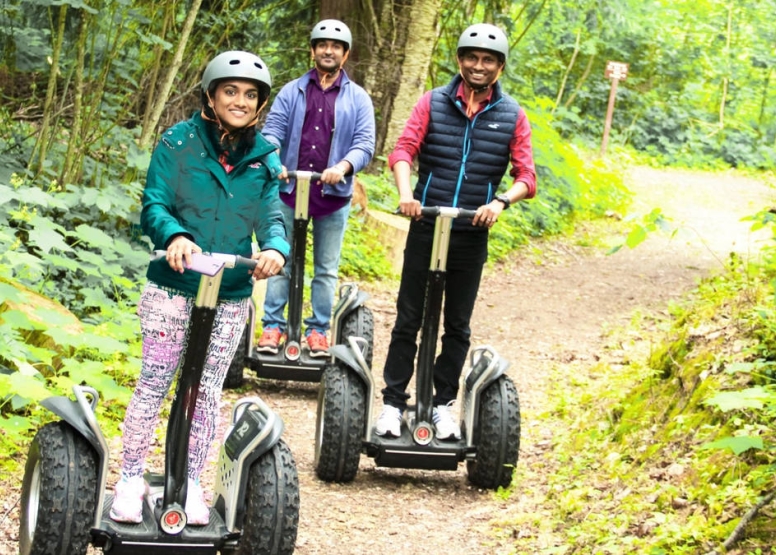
65 505
350 315
490 409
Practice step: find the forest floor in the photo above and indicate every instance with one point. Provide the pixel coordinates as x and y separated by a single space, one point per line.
549 309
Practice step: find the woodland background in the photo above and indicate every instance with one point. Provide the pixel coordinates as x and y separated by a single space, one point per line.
88 86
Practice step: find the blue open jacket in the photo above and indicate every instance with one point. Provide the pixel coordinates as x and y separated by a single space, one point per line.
354 129
189 192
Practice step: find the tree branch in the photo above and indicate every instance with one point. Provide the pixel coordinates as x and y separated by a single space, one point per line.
739 530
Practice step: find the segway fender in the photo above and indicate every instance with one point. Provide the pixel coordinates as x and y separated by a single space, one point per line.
79 414
350 357
255 429
486 367
360 299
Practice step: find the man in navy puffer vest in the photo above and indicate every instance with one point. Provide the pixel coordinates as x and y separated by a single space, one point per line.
464 136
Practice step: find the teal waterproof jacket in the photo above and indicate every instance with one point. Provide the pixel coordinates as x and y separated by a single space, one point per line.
188 192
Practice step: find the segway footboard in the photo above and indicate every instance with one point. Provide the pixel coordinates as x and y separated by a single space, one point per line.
404 452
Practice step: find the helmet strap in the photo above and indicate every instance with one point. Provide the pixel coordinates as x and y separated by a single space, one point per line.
327 76
476 90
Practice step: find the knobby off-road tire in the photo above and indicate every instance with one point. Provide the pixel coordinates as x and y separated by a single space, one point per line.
234 376
360 323
340 423
271 505
497 437
59 493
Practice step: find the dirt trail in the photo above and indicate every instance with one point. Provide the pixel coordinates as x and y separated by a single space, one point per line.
538 316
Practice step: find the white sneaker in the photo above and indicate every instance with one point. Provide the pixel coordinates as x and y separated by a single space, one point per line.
197 511
444 422
389 422
128 500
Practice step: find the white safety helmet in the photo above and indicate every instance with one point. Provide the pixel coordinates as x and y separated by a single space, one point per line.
331 29
484 36
237 64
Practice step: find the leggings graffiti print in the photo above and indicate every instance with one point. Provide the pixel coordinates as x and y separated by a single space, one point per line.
164 316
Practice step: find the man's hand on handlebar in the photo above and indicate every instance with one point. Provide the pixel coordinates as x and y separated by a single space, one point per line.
487 214
410 207
179 253
268 263
333 175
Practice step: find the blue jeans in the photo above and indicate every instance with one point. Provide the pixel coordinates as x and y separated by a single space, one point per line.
328 233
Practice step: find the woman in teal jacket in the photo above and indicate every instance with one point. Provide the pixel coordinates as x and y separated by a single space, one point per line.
212 184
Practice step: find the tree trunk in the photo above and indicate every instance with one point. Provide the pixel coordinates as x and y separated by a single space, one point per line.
400 79
358 19
74 154
581 81
726 78
562 87
161 99
38 158
169 15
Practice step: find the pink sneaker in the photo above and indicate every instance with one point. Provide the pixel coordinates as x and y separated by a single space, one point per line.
128 500
270 340
197 511
318 344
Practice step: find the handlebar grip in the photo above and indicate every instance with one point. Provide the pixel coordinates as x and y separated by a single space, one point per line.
242 262
464 213
450 212
308 176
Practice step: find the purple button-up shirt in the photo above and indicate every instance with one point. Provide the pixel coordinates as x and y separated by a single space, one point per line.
315 144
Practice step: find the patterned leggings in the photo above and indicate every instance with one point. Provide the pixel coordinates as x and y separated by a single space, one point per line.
164 317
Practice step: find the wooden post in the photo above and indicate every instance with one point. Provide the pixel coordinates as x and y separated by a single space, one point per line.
614 71
609 114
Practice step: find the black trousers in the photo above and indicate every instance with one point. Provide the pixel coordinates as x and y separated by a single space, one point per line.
466 257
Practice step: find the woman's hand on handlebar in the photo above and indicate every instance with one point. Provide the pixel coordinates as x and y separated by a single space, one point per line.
179 253
410 207
268 263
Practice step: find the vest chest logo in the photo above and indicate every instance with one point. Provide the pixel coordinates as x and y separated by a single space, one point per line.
255 166
493 125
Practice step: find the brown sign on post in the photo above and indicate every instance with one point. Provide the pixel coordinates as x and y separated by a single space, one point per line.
616 71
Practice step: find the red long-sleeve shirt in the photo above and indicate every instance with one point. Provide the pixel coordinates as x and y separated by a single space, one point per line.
521 157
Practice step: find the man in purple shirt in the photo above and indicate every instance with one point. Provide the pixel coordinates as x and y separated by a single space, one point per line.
301 123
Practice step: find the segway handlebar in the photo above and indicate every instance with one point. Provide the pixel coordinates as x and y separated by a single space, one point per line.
210 263
445 211
448 211
299 174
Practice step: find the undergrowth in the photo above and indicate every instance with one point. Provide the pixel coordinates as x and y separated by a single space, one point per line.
666 443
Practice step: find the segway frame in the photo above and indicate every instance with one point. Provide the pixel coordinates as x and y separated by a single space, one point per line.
254 431
292 362
417 447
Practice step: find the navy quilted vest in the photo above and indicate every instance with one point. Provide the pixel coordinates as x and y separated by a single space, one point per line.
462 161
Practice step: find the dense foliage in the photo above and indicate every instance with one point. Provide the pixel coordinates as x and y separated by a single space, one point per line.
667 442
83 89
